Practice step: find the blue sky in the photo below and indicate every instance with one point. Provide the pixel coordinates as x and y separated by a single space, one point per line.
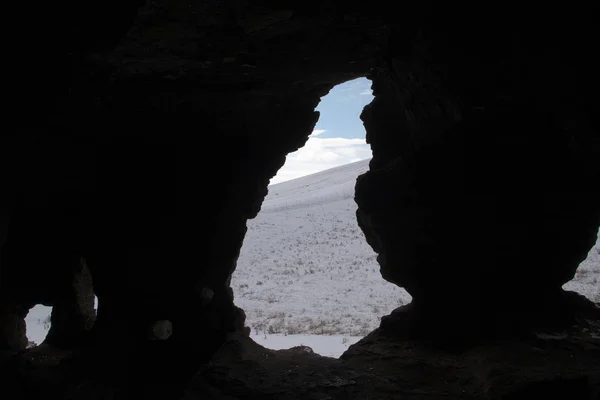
338 137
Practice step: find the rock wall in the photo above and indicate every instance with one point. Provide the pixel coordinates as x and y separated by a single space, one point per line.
486 155
146 133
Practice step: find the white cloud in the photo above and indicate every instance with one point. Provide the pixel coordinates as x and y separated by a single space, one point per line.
317 132
366 92
320 154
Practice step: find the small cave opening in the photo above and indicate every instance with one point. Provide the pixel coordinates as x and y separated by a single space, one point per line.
306 275
39 321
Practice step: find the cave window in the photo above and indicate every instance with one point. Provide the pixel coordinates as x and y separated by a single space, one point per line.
37 324
306 275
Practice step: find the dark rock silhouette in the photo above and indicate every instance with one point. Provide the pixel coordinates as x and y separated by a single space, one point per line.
143 136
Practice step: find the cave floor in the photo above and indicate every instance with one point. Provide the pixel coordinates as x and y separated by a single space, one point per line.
380 366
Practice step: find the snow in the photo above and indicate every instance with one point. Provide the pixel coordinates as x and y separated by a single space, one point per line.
306 275
328 346
305 266
587 277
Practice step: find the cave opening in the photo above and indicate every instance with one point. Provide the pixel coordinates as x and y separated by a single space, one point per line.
305 274
39 321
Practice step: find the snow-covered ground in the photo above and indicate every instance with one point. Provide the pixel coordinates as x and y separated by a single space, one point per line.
306 275
305 266
325 345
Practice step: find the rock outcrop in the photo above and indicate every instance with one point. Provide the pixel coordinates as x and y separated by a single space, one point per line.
145 136
502 181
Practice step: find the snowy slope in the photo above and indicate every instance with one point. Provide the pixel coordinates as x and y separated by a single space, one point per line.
332 185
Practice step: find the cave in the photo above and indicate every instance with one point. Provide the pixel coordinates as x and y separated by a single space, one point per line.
484 141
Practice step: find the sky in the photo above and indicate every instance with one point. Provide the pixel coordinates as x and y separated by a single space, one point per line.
339 135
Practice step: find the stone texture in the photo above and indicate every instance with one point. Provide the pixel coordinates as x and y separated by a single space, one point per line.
146 132
503 181
73 317
12 323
